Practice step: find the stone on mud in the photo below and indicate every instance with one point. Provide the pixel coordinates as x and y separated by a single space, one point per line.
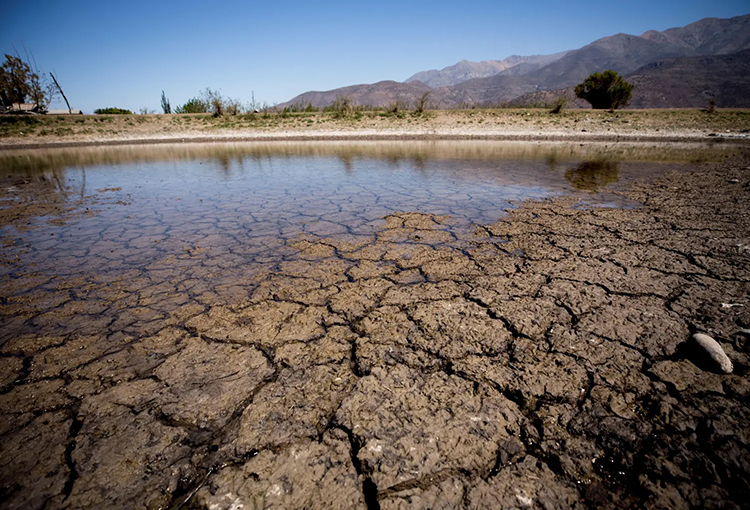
714 351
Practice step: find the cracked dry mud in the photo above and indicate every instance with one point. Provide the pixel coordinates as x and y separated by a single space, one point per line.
541 363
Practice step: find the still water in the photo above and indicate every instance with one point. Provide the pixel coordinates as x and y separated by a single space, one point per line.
209 218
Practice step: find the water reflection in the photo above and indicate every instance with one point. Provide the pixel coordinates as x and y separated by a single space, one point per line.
417 152
593 175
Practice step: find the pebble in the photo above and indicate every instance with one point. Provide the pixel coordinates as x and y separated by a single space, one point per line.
714 350
731 305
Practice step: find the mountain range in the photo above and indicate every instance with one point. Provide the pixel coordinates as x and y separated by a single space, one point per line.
678 67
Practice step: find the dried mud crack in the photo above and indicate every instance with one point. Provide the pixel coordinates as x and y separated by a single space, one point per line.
543 362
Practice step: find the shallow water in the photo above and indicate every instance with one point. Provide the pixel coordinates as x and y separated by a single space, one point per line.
178 220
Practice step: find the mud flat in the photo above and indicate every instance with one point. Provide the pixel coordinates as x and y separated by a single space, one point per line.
540 361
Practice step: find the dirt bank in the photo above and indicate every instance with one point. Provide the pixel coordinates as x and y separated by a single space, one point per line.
504 124
543 363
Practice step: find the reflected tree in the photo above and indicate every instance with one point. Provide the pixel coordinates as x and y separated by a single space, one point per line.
225 162
592 175
348 161
419 162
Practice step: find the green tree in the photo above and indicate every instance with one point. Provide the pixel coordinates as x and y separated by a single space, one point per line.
112 111
19 83
194 105
605 90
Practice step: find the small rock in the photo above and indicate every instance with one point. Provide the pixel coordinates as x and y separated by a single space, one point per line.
734 181
731 305
714 350
745 332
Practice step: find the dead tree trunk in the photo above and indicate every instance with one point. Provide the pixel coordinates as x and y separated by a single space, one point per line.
61 92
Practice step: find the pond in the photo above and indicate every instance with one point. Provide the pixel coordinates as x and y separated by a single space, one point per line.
164 225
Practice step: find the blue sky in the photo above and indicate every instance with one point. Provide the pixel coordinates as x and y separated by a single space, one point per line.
124 54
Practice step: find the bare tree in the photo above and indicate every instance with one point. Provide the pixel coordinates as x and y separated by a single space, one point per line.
422 102
61 92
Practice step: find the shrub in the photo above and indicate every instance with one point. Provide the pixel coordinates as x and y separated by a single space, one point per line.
211 101
605 90
301 107
233 106
422 102
193 105
558 104
217 107
396 107
342 106
711 105
112 111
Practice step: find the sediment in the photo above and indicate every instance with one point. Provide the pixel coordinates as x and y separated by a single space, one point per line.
543 362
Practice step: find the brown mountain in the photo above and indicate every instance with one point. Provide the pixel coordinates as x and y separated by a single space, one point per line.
524 75
688 82
691 82
375 94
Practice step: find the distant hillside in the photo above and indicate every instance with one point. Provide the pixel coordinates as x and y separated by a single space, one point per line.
691 82
375 94
627 54
709 36
466 70
688 82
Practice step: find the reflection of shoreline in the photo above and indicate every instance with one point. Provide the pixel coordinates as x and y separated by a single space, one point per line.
418 152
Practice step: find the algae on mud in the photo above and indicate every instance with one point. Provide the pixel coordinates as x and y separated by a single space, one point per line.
535 361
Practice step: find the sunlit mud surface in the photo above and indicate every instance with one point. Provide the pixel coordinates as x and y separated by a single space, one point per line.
200 225
374 325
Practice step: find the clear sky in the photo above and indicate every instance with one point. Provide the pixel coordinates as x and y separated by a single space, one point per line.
125 53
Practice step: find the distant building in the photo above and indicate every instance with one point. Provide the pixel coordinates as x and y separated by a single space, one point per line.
24 107
33 108
64 112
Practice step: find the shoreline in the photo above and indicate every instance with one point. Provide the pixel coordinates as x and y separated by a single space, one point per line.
355 136
659 126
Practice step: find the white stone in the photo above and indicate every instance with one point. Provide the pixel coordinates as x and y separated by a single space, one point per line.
714 350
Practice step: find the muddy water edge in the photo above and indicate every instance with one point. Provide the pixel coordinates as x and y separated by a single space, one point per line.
304 327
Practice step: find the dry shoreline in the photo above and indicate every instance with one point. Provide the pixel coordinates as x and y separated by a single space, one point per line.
323 136
545 364
580 126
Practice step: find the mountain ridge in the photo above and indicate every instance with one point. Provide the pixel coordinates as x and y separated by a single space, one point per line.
519 76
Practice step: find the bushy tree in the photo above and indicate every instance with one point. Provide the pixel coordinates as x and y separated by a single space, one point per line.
19 83
112 111
194 105
605 90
